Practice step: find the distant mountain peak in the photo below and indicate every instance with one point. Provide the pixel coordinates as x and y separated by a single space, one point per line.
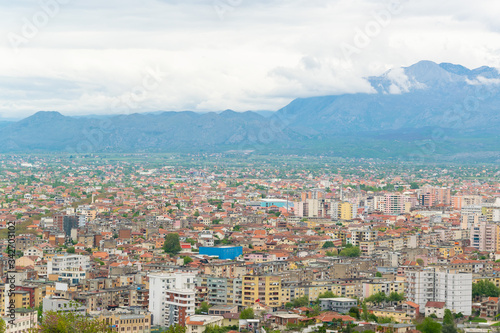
47 114
427 74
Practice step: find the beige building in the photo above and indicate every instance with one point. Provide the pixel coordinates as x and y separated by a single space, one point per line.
198 323
130 323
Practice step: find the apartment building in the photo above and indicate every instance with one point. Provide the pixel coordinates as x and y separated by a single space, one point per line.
217 291
483 236
428 285
387 287
265 289
361 235
127 322
171 297
66 262
394 204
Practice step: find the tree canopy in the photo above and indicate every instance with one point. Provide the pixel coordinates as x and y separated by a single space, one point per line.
70 322
204 307
247 314
172 244
353 251
485 288
429 326
449 322
298 302
176 329
328 244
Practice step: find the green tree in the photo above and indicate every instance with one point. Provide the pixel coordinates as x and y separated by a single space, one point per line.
3 326
70 322
300 301
214 329
187 260
449 329
204 307
352 251
172 244
365 313
70 250
448 317
328 244
396 297
449 322
485 288
176 329
327 294
39 310
377 298
378 274
247 314
354 312
428 325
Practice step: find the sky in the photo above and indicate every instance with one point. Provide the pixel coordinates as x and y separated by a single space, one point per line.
121 56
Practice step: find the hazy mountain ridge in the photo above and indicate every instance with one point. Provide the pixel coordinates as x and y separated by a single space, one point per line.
407 104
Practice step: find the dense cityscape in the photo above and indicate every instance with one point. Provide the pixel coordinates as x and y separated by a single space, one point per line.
244 243
249 166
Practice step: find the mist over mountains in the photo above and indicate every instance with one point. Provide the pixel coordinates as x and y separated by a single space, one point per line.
427 110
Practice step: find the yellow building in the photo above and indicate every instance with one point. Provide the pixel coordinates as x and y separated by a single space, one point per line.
345 211
315 291
459 250
488 212
386 287
130 323
344 290
290 293
492 279
21 299
310 224
51 290
447 251
265 288
398 316
367 247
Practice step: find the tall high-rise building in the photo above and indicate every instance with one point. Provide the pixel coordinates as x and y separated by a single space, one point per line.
171 297
435 196
483 236
264 288
394 204
428 284
345 211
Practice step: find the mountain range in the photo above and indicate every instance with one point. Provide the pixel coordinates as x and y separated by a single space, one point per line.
429 110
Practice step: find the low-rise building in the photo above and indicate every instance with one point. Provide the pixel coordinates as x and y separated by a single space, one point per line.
338 304
198 323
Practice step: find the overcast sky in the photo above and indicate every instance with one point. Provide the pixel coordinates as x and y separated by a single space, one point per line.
122 56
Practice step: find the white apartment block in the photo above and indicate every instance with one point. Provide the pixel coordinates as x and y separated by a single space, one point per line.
67 262
455 289
171 298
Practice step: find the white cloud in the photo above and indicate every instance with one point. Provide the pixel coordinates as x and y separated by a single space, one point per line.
256 55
